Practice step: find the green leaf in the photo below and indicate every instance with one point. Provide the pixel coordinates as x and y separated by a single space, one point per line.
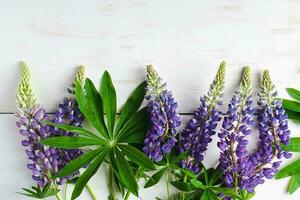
290 170
108 94
295 116
132 105
227 191
198 184
293 93
78 163
87 174
181 156
126 173
293 146
137 156
294 183
188 173
212 195
217 173
155 178
70 142
205 195
135 128
91 115
186 187
291 105
73 129
95 104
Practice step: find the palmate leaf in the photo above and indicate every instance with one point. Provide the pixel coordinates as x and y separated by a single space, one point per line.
79 162
153 180
95 103
291 105
294 93
294 183
109 96
87 174
39 193
135 128
74 129
290 170
295 116
137 156
125 172
185 187
71 142
131 128
293 146
132 105
227 191
90 112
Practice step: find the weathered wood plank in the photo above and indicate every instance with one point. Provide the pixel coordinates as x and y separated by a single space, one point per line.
185 42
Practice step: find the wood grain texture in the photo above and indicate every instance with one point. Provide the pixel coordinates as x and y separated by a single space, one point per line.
184 40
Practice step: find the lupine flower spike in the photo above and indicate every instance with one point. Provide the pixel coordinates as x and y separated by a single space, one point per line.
273 132
68 113
43 161
164 117
234 160
197 135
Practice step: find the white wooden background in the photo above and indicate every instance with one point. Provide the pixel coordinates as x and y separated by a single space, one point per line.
184 40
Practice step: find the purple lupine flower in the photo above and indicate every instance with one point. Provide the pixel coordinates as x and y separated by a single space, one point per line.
197 135
234 160
44 161
161 138
241 170
273 131
68 113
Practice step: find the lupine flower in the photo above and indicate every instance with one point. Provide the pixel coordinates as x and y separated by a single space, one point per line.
68 113
164 118
44 161
234 160
273 131
197 135
241 170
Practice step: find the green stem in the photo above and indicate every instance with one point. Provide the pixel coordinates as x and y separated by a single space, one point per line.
91 192
111 186
65 191
167 182
127 195
183 193
57 197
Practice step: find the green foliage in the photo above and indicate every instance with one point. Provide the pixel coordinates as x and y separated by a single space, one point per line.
39 193
292 170
114 137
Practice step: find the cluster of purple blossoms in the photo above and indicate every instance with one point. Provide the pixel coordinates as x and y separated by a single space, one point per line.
68 113
273 130
234 160
241 170
197 135
161 138
44 161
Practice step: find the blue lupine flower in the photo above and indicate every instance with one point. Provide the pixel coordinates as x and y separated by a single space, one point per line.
197 135
44 161
162 107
